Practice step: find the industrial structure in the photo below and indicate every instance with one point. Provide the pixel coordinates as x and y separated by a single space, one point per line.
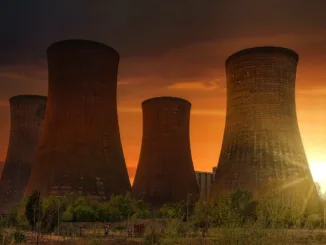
80 148
27 113
205 181
165 171
262 142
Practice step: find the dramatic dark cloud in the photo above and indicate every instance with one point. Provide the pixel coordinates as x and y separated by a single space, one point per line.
146 27
161 42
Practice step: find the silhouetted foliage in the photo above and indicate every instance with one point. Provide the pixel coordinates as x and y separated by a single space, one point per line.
33 209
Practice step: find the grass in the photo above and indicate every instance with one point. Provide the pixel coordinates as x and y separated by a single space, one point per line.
226 236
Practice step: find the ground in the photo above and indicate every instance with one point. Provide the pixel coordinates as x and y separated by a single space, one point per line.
230 237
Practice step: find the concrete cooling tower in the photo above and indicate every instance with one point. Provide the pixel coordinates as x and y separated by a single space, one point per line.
165 171
262 142
27 113
80 148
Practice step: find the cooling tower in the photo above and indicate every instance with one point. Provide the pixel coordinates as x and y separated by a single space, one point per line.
165 171
80 148
262 142
27 113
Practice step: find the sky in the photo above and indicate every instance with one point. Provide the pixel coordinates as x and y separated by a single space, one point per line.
171 48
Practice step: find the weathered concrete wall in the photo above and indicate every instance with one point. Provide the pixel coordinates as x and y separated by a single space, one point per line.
27 114
261 140
80 149
165 171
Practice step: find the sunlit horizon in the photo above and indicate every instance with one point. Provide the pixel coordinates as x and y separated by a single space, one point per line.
318 172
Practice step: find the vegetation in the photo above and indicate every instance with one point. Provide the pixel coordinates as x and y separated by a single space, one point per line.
234 218
33 210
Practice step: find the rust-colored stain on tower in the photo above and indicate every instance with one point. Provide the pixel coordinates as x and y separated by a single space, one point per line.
80 149
27 113
262 141
165 171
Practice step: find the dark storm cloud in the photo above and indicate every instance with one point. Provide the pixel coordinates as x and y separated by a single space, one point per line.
145 27
160 42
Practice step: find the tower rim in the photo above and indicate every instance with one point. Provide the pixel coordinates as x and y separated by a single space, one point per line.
73 42
164 98
27 96
263 49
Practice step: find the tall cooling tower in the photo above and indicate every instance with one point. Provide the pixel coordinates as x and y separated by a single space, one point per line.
165 171
262 142
27 113
80 149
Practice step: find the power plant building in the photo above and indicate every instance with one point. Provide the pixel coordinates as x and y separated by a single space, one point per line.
80 148
165 172
205 181
262 141
27 114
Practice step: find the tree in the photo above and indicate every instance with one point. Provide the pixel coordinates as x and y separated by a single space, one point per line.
119 207
221 212
202 217
176 210
51 213
67 216
103 212
33 210
141 210
241 204
84 213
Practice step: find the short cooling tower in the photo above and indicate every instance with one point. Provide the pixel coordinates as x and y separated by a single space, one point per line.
80 149
27 113
262 142
165 171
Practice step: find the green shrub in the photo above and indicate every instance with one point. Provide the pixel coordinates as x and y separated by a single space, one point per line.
118 228
67 216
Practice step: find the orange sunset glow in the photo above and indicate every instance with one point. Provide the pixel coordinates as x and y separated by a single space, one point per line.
193 70
208 98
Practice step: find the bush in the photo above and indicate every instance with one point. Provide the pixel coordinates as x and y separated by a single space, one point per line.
314 221
5 238
67 216
118 228
152 237
175 210
19 237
